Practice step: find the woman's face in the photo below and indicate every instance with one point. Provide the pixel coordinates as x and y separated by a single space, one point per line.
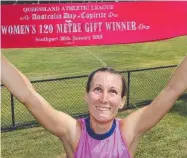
104 98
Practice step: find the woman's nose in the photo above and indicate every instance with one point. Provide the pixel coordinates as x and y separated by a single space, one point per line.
104 97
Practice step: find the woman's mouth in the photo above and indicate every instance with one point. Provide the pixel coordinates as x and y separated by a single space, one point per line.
100 108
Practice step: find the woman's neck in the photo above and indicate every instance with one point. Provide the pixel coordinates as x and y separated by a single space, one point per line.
100 127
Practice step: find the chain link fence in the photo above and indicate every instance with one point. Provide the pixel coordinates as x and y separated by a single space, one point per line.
67 95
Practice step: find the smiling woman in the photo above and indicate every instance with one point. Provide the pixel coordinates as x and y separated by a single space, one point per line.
105 95
101 134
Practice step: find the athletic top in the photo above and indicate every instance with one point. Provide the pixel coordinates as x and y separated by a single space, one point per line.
108 145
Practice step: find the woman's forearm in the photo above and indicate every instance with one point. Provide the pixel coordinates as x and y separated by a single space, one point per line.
178 81
15 81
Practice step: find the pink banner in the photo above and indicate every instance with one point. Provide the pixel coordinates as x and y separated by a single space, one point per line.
81 24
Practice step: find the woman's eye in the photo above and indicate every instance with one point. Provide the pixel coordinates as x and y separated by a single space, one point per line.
113 91
97 89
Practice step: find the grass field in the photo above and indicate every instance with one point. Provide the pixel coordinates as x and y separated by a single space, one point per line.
167 139
58 62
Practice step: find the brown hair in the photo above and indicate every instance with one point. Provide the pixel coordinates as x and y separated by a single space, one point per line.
107 69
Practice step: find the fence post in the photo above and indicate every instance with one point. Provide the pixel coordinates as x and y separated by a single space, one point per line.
128 88
12 110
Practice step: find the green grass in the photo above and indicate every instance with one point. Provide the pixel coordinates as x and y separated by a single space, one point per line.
30 143
167 139
58 62
67 95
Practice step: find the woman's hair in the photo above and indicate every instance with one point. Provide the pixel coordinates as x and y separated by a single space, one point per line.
107 69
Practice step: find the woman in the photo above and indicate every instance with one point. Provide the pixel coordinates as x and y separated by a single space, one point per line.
99 135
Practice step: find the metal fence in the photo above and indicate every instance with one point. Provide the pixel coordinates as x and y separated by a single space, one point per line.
66 94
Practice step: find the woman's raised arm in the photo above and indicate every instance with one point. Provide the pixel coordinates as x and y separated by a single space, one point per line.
56 122
145 118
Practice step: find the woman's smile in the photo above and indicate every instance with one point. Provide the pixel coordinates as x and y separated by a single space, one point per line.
102 108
